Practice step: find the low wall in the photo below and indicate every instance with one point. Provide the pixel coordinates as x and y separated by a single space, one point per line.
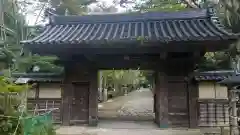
213 113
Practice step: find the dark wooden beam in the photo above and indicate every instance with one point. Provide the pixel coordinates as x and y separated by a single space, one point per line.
193 104
93 97
133 62
37 92
163 55
67 96
163 100
149 48
66 103
90 57
114 61
161 90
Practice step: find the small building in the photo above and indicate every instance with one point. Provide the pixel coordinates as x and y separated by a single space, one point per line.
212 98
45 93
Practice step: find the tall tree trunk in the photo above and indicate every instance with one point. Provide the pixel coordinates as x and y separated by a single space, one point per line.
1 12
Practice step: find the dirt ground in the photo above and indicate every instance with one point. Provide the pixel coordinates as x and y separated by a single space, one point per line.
137 105
124 128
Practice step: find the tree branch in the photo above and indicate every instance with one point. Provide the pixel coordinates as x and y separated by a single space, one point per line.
191 3
230 8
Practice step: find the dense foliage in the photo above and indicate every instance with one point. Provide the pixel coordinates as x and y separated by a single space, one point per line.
14 119
10 101
227 10
13 29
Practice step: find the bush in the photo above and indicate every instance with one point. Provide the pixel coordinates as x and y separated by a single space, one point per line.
12 119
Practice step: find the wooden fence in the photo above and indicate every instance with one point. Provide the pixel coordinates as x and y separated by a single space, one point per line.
47 103
213 113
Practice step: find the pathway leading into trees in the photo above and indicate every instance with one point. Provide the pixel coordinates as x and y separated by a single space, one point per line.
137 105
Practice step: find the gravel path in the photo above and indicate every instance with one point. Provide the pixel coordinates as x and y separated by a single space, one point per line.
135 105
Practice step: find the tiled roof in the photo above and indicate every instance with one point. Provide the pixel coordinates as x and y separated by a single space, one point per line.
231 80
37 77
163 27
213 75
210 78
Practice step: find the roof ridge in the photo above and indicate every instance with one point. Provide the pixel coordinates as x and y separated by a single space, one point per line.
118 22
130 17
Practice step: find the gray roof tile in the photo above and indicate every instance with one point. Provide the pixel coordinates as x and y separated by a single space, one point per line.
217 75
162 27
37 77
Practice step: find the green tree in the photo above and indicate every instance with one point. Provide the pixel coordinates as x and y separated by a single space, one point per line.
102 8
69 7
60 7
160 5
12 31
120 78
228 11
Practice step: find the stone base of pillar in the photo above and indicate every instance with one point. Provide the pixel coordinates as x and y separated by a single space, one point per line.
93 122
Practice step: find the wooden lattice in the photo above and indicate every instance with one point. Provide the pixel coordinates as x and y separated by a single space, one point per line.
47 104
213 113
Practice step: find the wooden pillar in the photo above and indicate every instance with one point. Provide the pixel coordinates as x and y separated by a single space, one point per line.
193 104
192 92
154 102
93 98
66 103
100 84
66 99
37 95
102 90
37 91
233 115
154 94
161 99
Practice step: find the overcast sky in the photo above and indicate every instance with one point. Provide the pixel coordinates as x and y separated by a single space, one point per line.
31 18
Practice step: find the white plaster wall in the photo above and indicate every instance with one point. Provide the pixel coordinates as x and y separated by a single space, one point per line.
221 92
212 90
49 90
206 90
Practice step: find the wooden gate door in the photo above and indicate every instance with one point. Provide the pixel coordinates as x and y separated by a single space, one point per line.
80 103
178 104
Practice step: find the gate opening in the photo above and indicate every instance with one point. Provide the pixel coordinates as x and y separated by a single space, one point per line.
125 95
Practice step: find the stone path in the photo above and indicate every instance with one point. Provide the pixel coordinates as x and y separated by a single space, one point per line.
107 127
137 105
117 131
141 104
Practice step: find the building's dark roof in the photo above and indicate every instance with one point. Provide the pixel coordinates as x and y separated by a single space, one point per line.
38 77
231 80
164 27
213 75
